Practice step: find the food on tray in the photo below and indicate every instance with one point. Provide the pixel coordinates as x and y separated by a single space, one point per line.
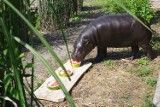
62 73
53 85
75 64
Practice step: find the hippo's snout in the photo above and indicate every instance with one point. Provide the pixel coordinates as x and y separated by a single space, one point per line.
76 57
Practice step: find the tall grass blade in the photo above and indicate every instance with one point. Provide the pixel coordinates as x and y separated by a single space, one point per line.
32 82
17 74
61 28
51 70
34 97
41 58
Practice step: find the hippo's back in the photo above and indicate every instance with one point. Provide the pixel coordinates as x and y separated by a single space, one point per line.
118 31
113 24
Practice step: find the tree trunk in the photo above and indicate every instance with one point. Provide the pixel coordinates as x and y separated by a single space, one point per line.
79 5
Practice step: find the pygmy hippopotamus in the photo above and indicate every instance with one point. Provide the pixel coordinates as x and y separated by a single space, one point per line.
113 31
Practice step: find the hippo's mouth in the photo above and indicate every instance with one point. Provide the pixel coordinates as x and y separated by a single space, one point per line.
77 58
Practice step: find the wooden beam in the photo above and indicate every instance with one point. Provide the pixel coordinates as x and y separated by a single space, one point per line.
57 95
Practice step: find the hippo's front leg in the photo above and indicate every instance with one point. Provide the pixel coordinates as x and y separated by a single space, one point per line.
101 54
135 50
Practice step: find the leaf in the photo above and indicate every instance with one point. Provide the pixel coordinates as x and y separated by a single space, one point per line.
14 63
7 80
13 92
21 56
28 65
5 52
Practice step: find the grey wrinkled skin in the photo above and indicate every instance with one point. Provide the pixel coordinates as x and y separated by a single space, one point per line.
112 31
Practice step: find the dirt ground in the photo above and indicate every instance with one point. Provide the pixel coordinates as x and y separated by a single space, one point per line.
111 85
106 84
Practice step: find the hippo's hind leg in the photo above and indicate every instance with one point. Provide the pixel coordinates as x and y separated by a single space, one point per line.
101 54
147 48
135 50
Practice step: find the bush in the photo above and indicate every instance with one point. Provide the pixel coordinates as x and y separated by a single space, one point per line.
115 8
137 7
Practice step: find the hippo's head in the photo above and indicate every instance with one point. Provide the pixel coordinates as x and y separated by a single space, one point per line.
82 46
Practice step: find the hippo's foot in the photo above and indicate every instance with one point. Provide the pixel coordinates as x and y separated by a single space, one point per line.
135 50
132 58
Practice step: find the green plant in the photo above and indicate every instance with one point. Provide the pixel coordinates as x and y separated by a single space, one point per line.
142 8
151 81
110 64
37 21
115 8
11 65
76 18
142 72
13 70
39 84
147 101
143 62
136 7
155 42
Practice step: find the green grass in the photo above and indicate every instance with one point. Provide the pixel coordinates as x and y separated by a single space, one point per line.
147 101
98 3
142 72
155 43
143 62
39 84
111 64
151 81
75 19
145 73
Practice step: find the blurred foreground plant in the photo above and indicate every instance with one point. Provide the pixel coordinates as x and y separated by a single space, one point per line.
12 69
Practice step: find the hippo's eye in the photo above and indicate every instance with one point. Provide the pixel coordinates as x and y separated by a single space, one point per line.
87 42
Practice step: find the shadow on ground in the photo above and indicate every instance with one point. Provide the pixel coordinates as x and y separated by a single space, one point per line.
90 8
126 54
